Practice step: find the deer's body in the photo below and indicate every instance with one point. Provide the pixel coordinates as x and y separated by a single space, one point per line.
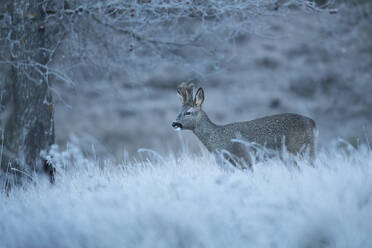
294 132
297 131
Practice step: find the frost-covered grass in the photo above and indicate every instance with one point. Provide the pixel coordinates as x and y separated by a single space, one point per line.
189 201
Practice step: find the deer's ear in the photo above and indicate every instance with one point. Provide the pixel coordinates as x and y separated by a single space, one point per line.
199 98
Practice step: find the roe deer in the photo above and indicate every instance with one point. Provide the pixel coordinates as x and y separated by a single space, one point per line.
295 132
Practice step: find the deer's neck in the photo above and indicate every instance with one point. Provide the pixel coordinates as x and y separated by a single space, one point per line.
204 129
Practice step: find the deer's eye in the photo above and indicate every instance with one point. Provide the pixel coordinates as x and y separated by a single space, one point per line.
187 113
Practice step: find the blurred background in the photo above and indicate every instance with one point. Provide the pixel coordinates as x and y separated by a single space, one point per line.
116 65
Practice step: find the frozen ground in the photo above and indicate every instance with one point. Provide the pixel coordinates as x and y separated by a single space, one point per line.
189 201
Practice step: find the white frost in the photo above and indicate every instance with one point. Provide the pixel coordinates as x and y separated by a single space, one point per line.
189 201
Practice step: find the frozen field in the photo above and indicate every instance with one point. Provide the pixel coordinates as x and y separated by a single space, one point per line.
114 87
189 201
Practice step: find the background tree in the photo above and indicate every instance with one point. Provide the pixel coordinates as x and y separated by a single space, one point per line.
29 126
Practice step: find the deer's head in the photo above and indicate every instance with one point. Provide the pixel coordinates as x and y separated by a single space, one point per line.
191 107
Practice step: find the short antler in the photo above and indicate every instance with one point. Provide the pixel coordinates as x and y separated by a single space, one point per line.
185 92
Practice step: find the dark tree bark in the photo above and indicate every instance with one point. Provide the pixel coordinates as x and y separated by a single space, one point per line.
30 126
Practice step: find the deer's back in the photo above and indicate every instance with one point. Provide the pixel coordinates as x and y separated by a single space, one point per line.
297 131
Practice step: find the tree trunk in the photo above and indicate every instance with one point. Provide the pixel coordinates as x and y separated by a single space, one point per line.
30 126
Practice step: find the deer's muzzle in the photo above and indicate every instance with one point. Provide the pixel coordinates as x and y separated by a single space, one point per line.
177 125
